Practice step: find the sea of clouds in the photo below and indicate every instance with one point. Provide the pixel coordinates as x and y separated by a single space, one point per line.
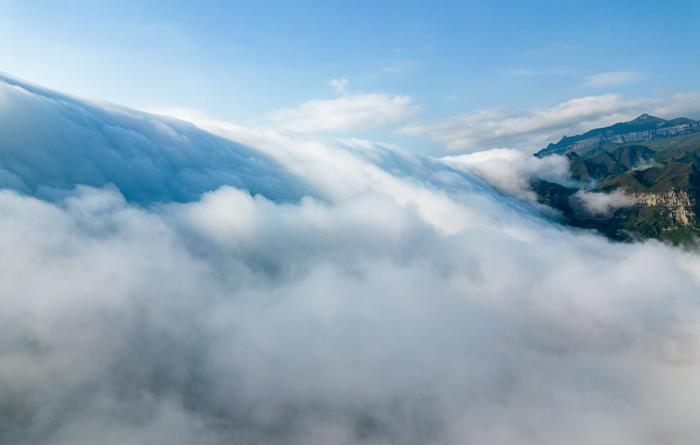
159 284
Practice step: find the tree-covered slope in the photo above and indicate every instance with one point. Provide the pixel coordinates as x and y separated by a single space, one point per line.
651 165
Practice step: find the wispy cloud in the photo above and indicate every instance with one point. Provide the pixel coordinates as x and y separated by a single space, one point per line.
339 85
518 72
613 78
350 112
602 204
398 66
533 129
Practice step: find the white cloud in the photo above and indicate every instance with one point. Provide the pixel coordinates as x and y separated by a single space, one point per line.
603 204
347 113
405 302
511 171
685 104
532 130
147 158
339 85
613 78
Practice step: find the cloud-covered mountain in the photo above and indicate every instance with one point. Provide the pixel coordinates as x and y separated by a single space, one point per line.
289 289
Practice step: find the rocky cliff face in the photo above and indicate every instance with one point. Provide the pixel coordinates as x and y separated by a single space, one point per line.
677 208
641 136
584 145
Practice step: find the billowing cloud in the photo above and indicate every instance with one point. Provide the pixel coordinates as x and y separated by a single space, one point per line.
613 78
346 113
511 171
532 130
404 301
148 158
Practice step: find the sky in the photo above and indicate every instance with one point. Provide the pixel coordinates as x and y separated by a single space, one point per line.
427 62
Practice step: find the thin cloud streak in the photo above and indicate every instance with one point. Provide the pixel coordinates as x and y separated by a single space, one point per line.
613 79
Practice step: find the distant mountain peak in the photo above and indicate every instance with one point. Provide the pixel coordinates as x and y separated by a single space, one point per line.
643 128
647 118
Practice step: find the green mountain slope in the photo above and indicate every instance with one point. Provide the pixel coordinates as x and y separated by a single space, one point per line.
654 164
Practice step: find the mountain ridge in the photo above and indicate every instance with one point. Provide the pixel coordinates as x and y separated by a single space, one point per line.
643 128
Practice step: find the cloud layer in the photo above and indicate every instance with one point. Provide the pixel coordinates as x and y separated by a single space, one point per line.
49 142
403 301
532 130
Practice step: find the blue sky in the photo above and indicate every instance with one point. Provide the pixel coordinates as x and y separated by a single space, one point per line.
241 61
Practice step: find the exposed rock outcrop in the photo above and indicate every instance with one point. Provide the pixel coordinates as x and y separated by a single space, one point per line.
677 208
